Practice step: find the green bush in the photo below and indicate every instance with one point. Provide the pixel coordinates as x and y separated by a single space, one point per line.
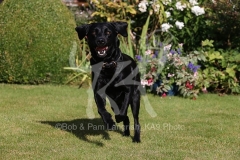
220 71
224 22
36 40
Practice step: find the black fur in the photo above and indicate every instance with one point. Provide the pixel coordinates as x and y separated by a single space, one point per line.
114 74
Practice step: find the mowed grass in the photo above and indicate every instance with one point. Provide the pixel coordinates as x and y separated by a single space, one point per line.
51 122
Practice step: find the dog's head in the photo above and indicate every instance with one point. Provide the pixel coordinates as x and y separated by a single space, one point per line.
102 37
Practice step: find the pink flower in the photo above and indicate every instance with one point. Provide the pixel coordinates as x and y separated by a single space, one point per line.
148 52
150 82
169 55
204 90
164 95
170 75
195 74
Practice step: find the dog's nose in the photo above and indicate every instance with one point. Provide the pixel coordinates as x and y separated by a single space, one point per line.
100 41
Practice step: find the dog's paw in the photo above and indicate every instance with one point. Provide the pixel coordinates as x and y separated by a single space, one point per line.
120 118
126 133
136 139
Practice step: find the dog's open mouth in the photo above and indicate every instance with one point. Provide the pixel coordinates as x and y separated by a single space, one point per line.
102 51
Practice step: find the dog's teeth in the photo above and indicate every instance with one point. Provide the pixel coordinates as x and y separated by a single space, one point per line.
100 52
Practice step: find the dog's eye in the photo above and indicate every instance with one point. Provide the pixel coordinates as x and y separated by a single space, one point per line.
108 33
94 33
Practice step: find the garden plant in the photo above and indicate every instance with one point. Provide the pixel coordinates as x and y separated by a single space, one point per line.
169 39
36 39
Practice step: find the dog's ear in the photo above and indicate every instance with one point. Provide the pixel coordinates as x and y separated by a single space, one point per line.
121 28
82 31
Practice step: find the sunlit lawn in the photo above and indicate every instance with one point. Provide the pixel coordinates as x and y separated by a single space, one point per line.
51 122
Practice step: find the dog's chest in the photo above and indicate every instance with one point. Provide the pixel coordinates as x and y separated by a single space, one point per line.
110 77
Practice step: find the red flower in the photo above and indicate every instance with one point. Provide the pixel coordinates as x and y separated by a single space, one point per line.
153 69
189 85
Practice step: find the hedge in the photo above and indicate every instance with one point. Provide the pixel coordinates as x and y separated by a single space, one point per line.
36 40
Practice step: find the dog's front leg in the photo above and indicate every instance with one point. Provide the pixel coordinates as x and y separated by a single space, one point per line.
106 116
135 105
124 107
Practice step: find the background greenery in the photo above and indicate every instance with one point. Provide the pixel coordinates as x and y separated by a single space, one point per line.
36 40
223 19
148 40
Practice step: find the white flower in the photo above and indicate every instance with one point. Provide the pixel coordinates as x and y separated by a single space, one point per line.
142 6
180 6
179 25
197 10
166 2
165 27
168 14
193 2
169 55
167 47
144 83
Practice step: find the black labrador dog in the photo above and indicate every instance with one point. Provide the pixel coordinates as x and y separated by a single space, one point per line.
114 74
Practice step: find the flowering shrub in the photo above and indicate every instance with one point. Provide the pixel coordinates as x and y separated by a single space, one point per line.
157 31
159 63
135 11
169 71
185 20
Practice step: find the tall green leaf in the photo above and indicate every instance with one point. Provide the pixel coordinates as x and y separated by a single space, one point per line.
130 44
142 42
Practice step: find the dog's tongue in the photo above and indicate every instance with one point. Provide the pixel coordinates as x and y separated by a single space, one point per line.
101 48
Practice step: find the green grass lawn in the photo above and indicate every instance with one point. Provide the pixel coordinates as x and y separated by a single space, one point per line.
51 122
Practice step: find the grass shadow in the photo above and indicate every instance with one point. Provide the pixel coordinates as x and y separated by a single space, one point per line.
82 128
